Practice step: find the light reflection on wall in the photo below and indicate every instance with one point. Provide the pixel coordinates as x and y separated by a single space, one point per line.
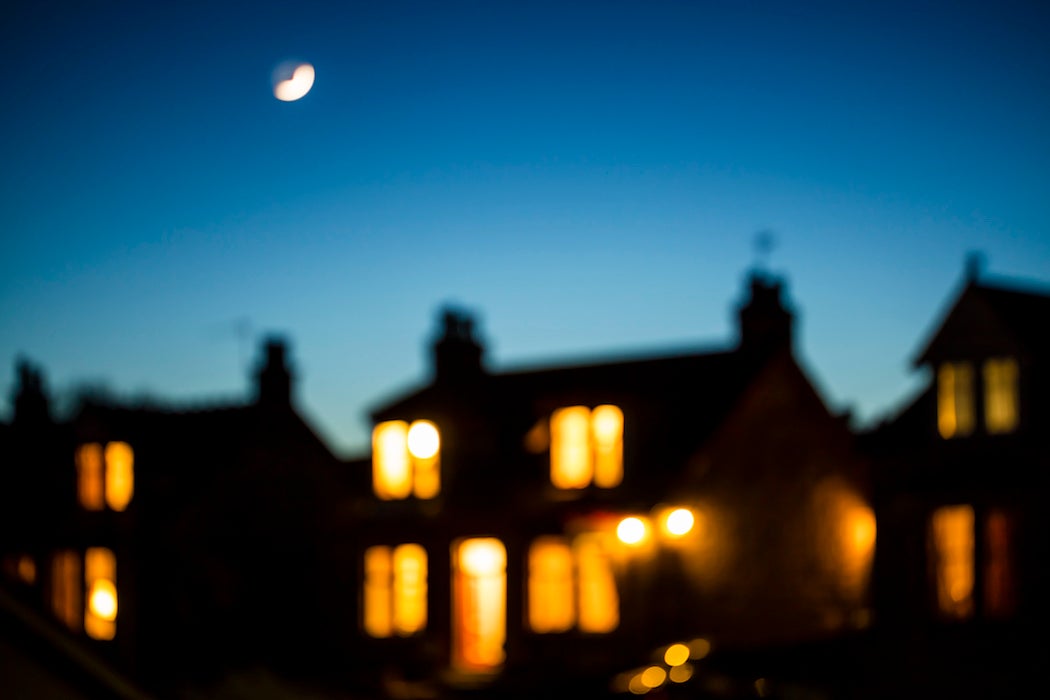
847 547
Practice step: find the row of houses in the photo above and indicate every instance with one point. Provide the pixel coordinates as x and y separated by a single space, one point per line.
692 524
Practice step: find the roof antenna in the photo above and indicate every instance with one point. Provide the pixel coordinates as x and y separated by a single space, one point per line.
243 331
763 243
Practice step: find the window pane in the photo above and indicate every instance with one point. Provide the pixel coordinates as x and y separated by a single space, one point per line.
410 589
66 588
571 461
952 558
378 601
599 600
955 408
100 582
607 427
391 475
120 475
424 446
999 588
1000 395
89 476
550 591
480 604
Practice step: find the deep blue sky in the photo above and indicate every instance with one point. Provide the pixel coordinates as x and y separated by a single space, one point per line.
588 176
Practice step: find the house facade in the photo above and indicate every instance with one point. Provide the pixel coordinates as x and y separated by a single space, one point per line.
535 526
671 522
176 545
960 492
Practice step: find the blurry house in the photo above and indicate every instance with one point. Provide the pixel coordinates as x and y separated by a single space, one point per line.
518 531
177 544
961 477
530 527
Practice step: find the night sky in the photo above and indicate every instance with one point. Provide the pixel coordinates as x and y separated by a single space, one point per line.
588 176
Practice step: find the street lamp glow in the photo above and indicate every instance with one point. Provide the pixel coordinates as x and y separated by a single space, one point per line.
631 530
679 522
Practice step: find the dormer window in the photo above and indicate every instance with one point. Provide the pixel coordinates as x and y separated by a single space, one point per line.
1000 395
955 402
586 447
105 476
406 460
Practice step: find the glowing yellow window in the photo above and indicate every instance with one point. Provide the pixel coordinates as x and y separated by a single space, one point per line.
479 590
120 475
599 600
66 588
406 460
952 544
955 414
395 590
105 477
586 447
572 586
1000 395
90 471
100 581
551 589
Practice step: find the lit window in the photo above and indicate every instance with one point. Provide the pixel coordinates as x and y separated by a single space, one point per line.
100 584
632 531
20 568
999 582
406 460
558 599
395 590
599 601
66 588
479 604
105 477
551 589
952 543
1000 395
89 476
955 414
586 447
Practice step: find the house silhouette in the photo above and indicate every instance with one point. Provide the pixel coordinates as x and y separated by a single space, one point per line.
693 523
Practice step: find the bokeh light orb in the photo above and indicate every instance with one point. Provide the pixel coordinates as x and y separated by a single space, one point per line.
631 530
423 439
292 80
679 522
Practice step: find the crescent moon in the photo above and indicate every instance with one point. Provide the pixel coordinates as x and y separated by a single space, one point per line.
292 82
